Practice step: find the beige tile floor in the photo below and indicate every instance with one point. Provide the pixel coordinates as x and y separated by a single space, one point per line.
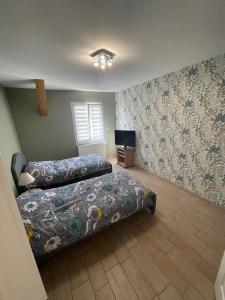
172 255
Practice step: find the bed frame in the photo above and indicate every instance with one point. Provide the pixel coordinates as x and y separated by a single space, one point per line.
19 163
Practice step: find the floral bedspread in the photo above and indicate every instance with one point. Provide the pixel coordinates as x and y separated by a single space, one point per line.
57 217
53 172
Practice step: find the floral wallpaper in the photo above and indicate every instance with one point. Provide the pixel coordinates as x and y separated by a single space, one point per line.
179 120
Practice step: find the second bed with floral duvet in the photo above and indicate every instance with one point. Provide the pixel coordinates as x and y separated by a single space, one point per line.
54 173
58 217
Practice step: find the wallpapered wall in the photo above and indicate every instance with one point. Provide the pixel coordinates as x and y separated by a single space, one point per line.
179 121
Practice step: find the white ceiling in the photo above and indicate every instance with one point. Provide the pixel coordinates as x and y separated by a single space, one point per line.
52 40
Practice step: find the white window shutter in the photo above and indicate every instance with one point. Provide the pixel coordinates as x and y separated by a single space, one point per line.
81 117
89 123
96 123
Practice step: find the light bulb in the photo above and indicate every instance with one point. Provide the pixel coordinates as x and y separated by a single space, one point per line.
103 58
109 63
103 66
96 64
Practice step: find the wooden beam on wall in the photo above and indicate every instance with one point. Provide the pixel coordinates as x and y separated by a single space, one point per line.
42 97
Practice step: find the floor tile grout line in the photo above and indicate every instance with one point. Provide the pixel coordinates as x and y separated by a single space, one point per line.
101 266
143 275
129 281
111 286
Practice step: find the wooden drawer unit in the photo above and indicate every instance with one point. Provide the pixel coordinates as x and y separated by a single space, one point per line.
125 157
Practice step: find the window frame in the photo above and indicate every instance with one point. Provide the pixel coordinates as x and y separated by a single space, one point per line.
74 121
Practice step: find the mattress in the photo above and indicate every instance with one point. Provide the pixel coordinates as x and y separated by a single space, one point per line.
53 173
58 217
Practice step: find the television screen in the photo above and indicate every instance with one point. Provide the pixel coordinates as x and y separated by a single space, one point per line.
125 138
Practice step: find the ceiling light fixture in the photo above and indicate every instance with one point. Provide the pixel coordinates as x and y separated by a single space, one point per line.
102 58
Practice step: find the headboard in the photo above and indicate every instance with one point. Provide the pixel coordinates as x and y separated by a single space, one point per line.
17 167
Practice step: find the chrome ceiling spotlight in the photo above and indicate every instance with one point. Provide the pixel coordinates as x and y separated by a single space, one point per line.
102 58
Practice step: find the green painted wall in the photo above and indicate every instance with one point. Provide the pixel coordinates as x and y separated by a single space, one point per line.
9 142
52 137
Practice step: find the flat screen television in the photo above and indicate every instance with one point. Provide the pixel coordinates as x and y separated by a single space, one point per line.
125 138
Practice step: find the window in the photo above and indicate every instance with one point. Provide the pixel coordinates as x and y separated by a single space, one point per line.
88 121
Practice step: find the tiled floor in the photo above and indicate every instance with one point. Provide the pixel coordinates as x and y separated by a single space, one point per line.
172 255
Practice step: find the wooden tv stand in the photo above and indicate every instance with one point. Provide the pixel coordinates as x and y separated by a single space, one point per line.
125 156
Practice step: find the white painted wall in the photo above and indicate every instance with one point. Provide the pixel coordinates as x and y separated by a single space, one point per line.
220 281
9 142
19 276
92 148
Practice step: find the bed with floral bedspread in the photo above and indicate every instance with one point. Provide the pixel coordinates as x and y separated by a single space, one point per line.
54 173
58 217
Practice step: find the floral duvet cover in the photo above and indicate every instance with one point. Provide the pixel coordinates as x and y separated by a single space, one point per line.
51 173
58 217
